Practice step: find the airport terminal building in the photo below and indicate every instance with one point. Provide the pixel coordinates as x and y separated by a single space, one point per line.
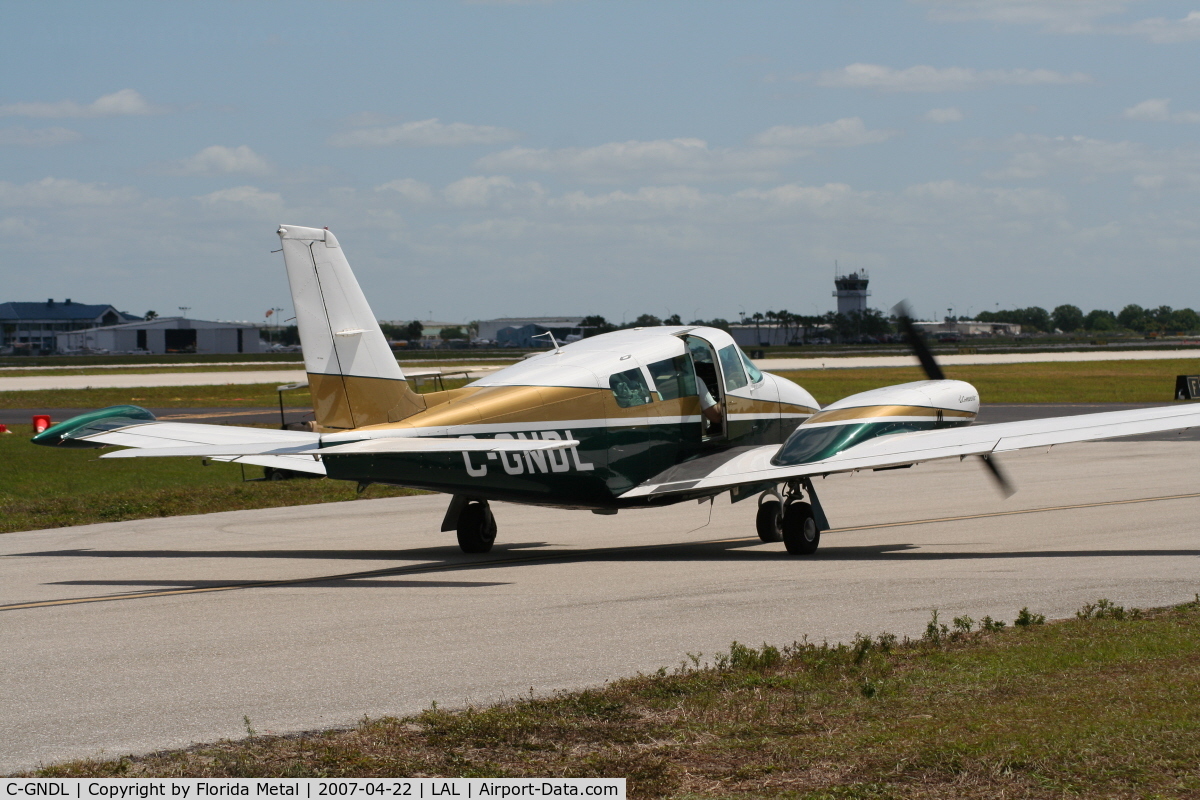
34 327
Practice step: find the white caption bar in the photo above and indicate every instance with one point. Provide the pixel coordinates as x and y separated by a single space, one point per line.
207 788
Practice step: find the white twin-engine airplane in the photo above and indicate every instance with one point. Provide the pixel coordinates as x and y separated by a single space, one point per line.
623 420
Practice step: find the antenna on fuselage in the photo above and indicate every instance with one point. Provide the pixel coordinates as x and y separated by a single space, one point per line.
557 346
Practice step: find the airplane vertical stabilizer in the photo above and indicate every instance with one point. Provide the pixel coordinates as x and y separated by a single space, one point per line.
353 375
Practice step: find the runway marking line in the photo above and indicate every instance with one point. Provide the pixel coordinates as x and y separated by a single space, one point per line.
389 571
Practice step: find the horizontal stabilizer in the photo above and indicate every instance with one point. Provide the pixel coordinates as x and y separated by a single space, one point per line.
216 450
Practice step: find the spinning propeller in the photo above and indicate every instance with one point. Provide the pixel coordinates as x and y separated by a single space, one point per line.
916 341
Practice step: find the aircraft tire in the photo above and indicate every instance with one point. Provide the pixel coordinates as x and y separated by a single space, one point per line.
770 521
801 536
476 528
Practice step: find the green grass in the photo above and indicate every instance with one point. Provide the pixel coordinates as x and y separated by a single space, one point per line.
1104 705
1060 382
250 395
45 487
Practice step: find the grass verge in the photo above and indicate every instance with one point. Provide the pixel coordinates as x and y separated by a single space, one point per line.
44 487
1054 382
247 395
1103 705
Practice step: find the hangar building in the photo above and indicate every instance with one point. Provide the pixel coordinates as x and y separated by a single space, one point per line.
165 335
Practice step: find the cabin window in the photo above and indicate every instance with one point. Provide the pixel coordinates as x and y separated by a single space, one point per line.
731 365
630 388
673 378
751 370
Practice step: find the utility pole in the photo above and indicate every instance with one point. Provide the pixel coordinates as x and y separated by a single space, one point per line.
183 311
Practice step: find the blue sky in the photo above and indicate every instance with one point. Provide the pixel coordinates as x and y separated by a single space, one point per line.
501 159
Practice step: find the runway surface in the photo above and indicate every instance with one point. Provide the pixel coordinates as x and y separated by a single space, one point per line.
129 637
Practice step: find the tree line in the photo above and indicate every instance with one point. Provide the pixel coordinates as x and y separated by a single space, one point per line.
1069 319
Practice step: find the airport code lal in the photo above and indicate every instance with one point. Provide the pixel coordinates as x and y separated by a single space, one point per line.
417 788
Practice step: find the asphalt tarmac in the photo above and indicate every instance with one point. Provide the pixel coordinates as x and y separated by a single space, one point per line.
130 637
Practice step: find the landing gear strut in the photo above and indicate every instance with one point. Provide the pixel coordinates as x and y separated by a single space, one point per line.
476 527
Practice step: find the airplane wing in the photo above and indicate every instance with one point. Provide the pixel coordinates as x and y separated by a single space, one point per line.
753 465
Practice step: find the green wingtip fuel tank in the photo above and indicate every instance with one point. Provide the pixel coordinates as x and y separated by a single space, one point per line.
68 433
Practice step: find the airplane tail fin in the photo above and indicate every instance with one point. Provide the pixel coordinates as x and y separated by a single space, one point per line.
353 375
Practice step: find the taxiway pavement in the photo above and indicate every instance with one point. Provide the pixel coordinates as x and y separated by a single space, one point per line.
130 637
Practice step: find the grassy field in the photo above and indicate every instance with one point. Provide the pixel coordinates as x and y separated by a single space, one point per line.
1063 382
43 487
1103 705
250 395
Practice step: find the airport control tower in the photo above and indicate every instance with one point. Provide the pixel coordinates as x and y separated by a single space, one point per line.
851 291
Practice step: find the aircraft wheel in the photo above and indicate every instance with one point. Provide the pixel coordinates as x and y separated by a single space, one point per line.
476 528
274 474
770 521
801 536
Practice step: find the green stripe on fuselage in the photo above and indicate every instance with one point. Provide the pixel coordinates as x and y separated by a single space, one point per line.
607 462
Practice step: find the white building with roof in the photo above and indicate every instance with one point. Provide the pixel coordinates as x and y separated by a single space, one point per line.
165 335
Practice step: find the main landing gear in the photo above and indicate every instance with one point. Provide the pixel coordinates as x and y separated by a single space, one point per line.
790 519
476 527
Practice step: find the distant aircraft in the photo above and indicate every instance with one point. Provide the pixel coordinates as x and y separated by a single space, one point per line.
629 419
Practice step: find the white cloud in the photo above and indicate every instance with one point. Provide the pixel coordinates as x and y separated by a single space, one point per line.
1068 17
424 133
664 160
1167 31
412 190
661 199
63 192
1018 201
38 137
127 102
1056 16
943 115
219 160
924 78
848 132
1036 156
247 196
1158 110
481 190
17 226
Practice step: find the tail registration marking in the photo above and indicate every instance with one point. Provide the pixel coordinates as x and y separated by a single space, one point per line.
534 461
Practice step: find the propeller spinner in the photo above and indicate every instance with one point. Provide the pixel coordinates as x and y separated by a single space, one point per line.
916 342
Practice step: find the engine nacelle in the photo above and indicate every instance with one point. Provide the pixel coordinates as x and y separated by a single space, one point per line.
906 407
